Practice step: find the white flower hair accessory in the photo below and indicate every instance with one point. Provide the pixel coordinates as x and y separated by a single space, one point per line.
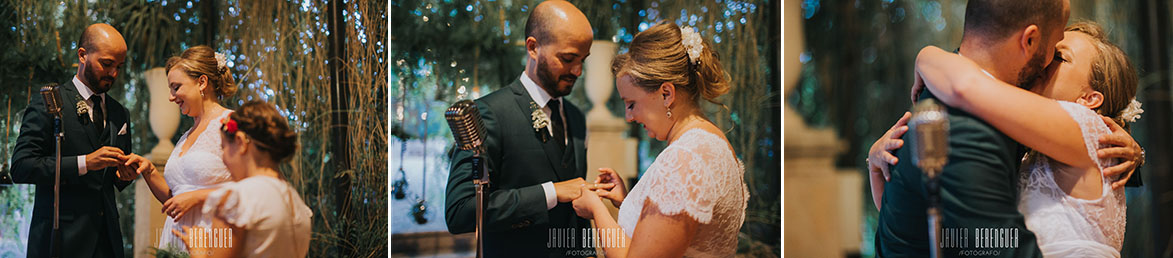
692 43
221 62
1132 112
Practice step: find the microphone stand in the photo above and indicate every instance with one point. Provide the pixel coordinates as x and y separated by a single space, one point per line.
466 127
480 178
931 151
933 188
57 240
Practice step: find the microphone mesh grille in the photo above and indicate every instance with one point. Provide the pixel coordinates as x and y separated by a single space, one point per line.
465 122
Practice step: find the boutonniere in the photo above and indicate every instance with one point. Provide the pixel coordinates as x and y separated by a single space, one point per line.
540 120
83 109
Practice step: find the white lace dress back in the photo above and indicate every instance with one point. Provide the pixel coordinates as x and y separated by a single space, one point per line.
275 219
198 168
697 175
1067 226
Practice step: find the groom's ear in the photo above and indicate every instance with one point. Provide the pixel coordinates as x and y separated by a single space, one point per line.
1029 41
531 47
81 55
1091 100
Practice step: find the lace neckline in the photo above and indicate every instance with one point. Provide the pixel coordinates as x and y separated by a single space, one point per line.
182 152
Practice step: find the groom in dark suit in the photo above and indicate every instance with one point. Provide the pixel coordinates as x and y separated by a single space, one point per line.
1012 40
94 154
536 169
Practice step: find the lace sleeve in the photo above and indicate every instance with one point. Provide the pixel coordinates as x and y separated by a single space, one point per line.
680 185
1090 125
232 211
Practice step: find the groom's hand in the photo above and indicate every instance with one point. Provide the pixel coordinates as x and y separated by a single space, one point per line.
1122 146
104 157
569 190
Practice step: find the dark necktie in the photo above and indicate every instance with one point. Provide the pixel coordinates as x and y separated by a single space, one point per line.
560 132
99 116
556 120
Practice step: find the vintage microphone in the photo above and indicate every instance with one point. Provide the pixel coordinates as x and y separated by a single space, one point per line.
465 122
930 121
49 92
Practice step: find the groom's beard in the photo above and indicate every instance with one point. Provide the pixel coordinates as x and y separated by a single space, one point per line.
99 84
550 82
1032 72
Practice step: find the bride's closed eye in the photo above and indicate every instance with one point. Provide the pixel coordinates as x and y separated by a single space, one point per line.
1059 57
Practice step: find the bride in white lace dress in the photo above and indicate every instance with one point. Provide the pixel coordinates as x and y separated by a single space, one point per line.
197 78
691 201
1065 198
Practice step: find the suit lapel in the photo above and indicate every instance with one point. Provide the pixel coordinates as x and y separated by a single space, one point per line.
550 148
69 100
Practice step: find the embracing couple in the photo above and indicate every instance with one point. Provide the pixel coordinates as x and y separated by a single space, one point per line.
198 189
690 202
1038 150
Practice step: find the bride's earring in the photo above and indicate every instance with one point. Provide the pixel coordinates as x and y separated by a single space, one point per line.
669 113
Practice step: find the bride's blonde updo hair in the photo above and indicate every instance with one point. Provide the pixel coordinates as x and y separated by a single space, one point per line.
201 60
1112 74
657 55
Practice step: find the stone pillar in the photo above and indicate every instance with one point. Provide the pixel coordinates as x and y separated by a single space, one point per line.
607 145
823 204
148 223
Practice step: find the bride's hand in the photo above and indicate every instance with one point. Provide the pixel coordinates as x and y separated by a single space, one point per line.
181 204
880 154
141 165
610 185
948 76
918 85
587 203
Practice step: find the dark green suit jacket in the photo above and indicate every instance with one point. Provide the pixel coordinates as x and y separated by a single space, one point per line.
978 190
89 217
517 223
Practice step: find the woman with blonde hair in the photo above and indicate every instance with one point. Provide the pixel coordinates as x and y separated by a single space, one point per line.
691 201
199 79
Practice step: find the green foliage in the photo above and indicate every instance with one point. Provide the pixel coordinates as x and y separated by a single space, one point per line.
284 63
151 32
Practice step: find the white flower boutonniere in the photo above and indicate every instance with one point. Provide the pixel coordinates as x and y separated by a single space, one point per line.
83 109
539 118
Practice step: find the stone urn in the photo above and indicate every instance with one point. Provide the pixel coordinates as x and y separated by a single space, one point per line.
164 115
